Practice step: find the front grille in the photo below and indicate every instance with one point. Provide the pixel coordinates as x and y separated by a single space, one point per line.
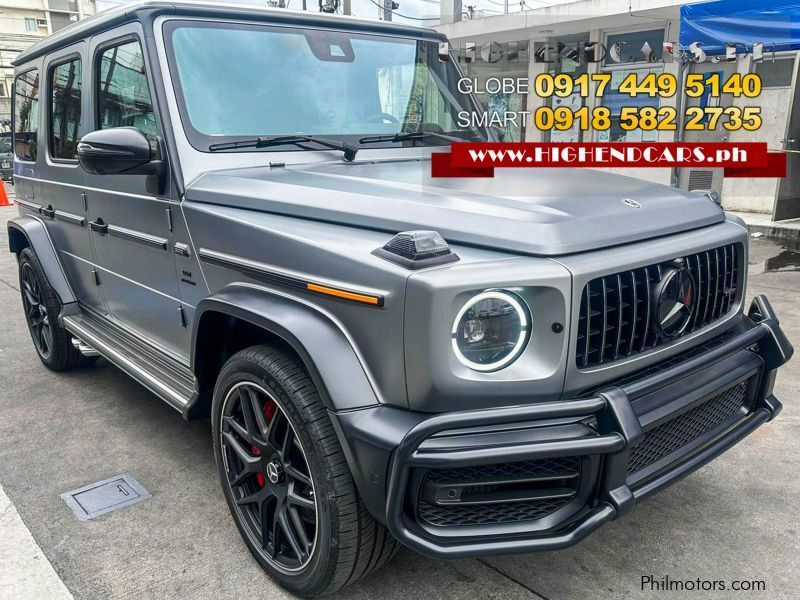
617 313
499 493
676 433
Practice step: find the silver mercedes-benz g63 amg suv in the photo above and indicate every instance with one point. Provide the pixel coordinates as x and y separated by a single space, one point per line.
234 206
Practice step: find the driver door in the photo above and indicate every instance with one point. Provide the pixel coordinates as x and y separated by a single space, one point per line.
131 226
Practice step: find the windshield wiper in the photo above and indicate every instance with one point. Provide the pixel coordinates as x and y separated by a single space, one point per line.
280 140
411 135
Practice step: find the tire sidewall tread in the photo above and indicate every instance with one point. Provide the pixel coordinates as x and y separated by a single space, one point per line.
350 542
63 355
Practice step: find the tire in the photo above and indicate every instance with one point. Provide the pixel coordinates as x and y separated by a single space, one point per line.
42 306
347 542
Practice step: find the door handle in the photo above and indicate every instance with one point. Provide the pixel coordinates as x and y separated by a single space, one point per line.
98 226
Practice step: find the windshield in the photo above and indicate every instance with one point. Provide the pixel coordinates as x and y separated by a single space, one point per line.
5 143
239 81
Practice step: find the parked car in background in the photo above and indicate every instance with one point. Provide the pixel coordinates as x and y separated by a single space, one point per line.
6 157
234 205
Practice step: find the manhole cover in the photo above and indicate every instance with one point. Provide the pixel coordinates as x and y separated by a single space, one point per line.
105 496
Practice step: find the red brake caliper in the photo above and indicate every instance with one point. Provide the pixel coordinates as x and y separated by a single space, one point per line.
269 412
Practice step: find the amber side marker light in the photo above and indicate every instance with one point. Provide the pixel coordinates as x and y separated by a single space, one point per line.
363 298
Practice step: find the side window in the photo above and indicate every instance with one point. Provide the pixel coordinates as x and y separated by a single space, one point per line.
26 114
65 109
123 95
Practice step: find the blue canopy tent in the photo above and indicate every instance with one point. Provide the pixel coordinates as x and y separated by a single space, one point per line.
743 22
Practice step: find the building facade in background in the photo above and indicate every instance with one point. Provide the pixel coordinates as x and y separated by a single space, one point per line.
22 24
631 24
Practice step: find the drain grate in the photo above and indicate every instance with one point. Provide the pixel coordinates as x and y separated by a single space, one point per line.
105 496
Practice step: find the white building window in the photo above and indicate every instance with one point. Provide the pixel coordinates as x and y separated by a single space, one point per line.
775 73
630 52
30 24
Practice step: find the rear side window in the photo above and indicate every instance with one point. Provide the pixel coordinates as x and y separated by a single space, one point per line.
123 96
65 109
26 114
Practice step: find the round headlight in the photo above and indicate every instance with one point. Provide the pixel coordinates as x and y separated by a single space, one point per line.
490 331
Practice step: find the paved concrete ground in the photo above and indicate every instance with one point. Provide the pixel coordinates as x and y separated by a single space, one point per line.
25 573
733 520
762 225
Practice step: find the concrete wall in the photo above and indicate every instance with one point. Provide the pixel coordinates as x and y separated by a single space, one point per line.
758 194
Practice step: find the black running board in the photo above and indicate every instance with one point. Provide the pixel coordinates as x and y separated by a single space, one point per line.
169 380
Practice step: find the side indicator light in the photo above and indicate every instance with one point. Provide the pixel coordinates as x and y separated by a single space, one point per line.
355 297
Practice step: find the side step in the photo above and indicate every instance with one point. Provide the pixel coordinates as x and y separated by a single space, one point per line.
170 380
84 349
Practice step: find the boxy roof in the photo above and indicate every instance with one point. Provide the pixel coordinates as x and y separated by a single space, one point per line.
146 10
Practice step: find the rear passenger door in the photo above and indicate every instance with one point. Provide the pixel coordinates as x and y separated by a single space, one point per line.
131 226
59 183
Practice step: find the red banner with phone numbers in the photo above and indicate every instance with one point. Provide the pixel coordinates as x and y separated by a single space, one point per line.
746 159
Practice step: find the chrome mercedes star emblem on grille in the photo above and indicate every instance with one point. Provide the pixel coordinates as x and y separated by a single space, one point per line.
674 302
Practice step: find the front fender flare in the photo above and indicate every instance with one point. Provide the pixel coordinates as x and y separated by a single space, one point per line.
327 353
26 228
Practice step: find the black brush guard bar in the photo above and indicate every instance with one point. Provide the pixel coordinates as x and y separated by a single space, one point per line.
618 429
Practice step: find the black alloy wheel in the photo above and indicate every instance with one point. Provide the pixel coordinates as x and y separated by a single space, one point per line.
269 476
42 305
36 312
285 476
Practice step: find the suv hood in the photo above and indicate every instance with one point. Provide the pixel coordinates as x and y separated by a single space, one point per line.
542 212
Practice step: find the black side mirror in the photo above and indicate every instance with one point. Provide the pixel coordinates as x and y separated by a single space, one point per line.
121 151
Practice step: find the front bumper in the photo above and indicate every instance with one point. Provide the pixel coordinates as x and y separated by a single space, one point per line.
391 452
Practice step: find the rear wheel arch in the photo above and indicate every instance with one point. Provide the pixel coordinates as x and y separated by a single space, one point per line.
30 232
41 306
17 240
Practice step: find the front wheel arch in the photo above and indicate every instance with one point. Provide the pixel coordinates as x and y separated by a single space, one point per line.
238 316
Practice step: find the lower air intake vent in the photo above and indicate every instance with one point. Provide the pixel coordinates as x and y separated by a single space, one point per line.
502 512
673 435
500 493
